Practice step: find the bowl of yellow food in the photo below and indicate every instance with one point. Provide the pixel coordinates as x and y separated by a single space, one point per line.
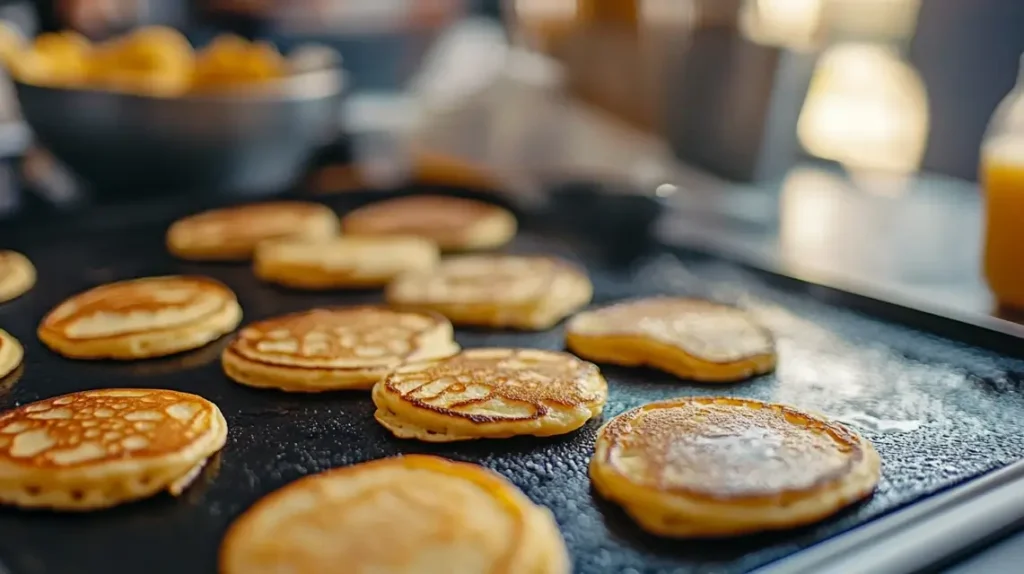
146 113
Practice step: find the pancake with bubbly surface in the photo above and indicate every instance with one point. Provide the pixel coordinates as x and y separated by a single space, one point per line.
690 338
335 348
232 233
516 291
17 275
141 318
96 449
714 467
11 353
490 393
342 262
454 223
405 515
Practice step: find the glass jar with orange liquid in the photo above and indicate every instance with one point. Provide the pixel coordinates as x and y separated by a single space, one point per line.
1002 180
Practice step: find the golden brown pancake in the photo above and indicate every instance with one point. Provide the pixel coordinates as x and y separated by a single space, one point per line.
335 348
406 515
342 262
517 291
141 318
432 168
17 275
709 467
490 393
96 449
232 233
454 223
11 353
690 338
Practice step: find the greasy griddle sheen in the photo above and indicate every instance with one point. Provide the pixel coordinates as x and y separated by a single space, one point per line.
690 338
699 467
95 449
335 348
454 223
141 318
411 514
517 291
490 393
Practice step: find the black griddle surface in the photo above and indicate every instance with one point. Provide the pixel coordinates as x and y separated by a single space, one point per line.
939 412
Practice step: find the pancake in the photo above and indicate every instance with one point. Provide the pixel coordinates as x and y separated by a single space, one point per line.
690 338
17 275
406 515
453 223
141 318
522 292
96 449
342 262
490 393
335 348
232 233
11 353
715 467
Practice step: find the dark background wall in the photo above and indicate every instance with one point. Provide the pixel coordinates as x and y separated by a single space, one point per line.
967 52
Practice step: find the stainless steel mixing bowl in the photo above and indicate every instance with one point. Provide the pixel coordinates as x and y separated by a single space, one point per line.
241 143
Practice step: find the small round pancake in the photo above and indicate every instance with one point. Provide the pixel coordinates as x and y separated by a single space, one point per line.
711 467
232 233
141 318
454 223
17 275
522 292
334 349
342 262
490 393
11 353
411 514
96 449
690 338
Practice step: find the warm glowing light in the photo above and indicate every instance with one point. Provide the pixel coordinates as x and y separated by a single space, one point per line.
787 23
547 10
867 109
541 23
668 13
810 211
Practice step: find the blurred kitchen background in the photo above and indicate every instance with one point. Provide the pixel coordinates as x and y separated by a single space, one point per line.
836 140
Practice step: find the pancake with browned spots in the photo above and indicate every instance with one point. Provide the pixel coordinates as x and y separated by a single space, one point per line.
17 275
96 449
712 467
232 233
516 291
490 393
141 318
453 223
335 348
11 353
406 515
342 262
690 338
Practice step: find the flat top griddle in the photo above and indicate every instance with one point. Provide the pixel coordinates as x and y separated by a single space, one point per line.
939 412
